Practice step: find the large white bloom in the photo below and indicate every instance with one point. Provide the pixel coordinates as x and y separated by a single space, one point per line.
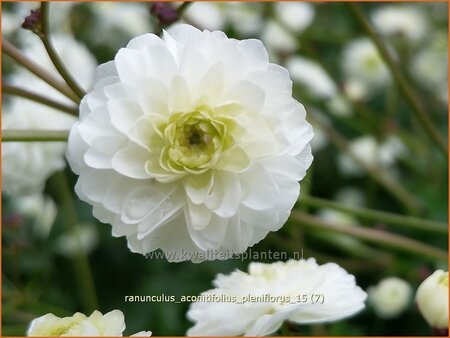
302 292
191 143
111 324
390 297
407 21
432 299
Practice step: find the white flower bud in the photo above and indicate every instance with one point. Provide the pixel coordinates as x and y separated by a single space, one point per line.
432 299
390 297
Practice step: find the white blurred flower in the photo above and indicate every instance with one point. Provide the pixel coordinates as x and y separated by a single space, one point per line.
179 136
83 239
374 154
207 15
350 196
356 90
403 20
27 165
429 66
295 15
111 324
246 18
362 62
390 297
338 105
432 299
311 75
292 286
41 208
278 39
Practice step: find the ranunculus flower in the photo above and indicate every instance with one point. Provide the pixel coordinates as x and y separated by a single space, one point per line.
390 297
111 324
432 299
191 144
301 292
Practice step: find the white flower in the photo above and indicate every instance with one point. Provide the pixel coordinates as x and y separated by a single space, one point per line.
390 297
302 292
362 62
111 324
407 21
278 39
41 208
191 144
295 15
369 151
351 197
83 238
246 18
432 299
311 75
27 165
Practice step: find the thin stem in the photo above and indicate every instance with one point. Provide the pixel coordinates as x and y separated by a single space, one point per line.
37 70
83 273
407 200
408 92
35 135
412 222
17 91
183 7
57 62
371 235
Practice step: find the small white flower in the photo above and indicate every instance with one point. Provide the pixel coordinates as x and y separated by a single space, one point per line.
111 324
286 291
407 21
207 15
432 299
362 62
278 39
41 208
191 143
390 297
246 18
83 239
369 151
311 75
295 15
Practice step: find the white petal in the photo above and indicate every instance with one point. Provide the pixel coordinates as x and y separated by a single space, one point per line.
130 161
198 187
124 114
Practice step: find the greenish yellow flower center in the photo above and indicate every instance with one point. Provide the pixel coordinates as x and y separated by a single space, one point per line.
193 141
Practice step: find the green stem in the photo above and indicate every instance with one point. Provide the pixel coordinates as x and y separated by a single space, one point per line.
21 92
35 135
381 216
408 92
57 62
83 273
372 235
37 70
385 180
183 7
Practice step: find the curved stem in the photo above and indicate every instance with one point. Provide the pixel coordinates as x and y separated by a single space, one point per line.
57 62
183 7
371 235
412 222
37 70
408 92
35 135
21 92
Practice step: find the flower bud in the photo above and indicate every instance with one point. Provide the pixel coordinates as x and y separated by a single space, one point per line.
33 22
432 299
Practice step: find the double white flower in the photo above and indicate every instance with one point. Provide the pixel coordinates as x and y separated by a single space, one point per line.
304 293
191 142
